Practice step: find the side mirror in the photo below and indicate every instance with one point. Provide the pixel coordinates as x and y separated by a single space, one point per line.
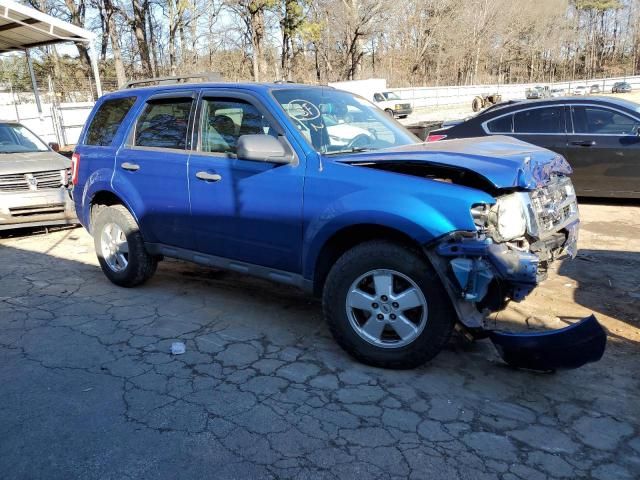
54 146
263 148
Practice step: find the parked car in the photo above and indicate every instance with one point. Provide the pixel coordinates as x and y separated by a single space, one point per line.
537 92
580 90
399 238
375 90
621 87
598 136
594 89
33 180
557 92
391 103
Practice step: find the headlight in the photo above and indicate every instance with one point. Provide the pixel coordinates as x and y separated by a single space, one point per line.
507 218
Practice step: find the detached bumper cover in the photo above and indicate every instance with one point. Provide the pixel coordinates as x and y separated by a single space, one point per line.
566 348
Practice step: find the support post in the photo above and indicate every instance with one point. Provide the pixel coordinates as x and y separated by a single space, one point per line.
96 72
34 84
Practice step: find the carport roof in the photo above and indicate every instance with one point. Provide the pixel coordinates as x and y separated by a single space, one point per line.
22 27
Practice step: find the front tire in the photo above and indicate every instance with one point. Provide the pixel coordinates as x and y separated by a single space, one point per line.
120 247
386 306
389 112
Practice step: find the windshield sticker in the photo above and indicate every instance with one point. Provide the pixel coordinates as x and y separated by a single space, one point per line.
303 110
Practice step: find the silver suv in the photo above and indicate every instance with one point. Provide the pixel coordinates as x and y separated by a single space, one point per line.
33 181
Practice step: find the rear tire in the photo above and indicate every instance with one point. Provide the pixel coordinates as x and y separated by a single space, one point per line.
416 334
120 247
476 104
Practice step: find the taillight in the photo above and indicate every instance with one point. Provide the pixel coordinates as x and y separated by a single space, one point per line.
435 137
75 166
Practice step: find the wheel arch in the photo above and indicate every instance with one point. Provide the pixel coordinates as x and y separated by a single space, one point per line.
105 198
343 240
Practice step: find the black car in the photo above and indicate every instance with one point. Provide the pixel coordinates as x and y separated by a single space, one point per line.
621 87
598 136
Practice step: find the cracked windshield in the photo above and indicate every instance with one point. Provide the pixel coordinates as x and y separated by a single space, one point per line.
333 122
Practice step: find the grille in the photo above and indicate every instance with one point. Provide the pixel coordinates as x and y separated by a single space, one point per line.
24 182
36 210
554 206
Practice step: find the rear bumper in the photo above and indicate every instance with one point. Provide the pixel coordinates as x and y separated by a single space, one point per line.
36 208
569 347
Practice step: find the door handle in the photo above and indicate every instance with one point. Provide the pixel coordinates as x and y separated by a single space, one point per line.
584 143
132 167
208 177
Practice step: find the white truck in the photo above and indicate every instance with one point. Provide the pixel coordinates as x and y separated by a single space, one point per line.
375 90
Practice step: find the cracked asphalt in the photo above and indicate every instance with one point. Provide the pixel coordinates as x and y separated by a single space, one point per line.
89 389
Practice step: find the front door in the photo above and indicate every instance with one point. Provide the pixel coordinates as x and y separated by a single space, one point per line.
604 151
244 210
151 169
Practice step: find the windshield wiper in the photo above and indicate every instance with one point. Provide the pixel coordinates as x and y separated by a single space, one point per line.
351 150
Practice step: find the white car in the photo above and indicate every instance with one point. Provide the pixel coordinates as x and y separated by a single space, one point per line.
557 92
581 90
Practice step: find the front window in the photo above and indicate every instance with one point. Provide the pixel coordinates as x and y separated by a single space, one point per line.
16 138
225 120
602 121
391 96
333 121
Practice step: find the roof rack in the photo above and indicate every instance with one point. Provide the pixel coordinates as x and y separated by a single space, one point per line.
207 77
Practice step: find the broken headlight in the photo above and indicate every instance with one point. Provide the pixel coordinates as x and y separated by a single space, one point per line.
507 219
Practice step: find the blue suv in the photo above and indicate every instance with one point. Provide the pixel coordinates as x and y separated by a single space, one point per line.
317 188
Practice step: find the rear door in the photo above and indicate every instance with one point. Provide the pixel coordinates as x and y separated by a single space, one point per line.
151 168
542 126
604 151
245 210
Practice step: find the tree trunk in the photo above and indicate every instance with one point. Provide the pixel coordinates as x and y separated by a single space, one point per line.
110 24
138 24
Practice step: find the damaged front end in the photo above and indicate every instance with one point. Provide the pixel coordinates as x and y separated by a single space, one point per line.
517 238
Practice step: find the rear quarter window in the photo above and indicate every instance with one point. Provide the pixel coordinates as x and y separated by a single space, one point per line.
107 120
500 125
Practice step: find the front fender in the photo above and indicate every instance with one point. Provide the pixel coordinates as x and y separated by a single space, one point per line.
420 218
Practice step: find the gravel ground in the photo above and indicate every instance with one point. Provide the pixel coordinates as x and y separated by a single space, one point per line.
90 390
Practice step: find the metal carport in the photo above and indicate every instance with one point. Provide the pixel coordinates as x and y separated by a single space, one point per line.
22 28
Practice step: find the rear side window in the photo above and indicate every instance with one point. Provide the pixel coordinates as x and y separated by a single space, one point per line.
602 121
539 120
164 123
500 125
107 120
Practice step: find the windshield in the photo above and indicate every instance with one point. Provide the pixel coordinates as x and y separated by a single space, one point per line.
391 96
15 138
333 121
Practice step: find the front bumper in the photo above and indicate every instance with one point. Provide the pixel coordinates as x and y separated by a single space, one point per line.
569 347
401 112
36 208
482 275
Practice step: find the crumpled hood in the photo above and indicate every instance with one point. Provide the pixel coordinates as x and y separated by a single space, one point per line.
503 161
30 162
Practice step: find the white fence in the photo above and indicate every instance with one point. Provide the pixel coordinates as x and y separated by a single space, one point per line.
62 123
456 95
58 123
